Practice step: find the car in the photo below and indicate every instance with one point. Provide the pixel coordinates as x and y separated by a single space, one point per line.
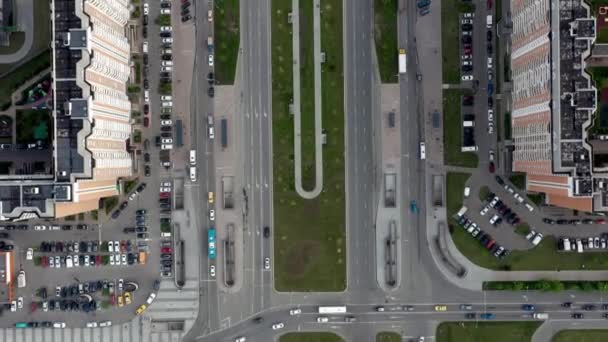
20 302
210 60
466 27
589 307
322 319
39 227
59 325
468 15
467 78
491 167
600 221
166 29
211 215
29 254
266 263
186 18
466 307
123 259
470 315
441 308
528 307
240 339
294 312
211 92
167 40
140 309
165 11
467 21
466 68
278 326
484 210
146 9
578 315
212 271
266 232
127 298
487 315
489 36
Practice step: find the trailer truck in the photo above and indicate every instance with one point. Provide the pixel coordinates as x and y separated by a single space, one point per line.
402 61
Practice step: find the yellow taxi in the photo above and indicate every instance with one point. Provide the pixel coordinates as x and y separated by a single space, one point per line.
211 197
120 301
127 298
441 307
141 309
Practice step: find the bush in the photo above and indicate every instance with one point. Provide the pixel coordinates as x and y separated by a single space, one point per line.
133 89
37 260
105 259
165 88
70 218
109 203
104 246
81 216
95 215
546 285
165 227
130 185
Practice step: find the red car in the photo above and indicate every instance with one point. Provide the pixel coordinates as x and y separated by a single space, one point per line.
489 4
490 244
146 121
600 221
45 261
491 167
166 250
98 260
164 195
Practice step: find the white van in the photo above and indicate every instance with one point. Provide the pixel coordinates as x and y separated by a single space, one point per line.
567 245
68 262
489 21
145 47
193 173
193 157
422 151
468 123
579 246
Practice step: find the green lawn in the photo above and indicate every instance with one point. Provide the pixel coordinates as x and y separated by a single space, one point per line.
484 191
455 190
17 77
485 331
518 180
388 337
310 337
310 240
226 39
385 36
307 93
33 125
581 336
452 131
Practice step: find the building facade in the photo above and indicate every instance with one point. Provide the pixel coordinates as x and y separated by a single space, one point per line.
91 114
554 100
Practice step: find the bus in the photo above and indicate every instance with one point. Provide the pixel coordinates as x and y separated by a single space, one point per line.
21 325
211 241
332 309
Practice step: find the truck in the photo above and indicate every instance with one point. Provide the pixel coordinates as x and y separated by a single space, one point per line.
402 61
210 43
332 309
489 21
21 279
540 315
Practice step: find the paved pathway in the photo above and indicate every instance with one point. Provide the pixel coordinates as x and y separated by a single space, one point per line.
296 101
25 22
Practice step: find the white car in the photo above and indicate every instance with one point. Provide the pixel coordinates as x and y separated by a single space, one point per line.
167 51
146 9
55 228
57 262
147 96
30 254
467 191
14 306
110 246
123 259
468 15
323 319
167 141
467 78
105 324
466 57
58 290
121 282
484 210
166 63
112 260
476 232
166 69
166 29
491 155
166 122
530 235
210 60
494 219
212 271
40 227
490 115
467 63
132 196
166 104
211 215
466 21
490 128
91 324
240 339
59 325
166 184
166 146
20 303
87 261
165 11
45 306
76 260
278 326
267 263
294 312
116 246
151 298
165 189
167 40
166 98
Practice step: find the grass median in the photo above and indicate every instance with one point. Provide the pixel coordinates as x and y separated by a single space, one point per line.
388 337
310 250
581 336
385 36
486 331
452 131
310 337
226 39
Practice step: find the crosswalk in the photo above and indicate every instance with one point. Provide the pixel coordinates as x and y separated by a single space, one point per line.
168 319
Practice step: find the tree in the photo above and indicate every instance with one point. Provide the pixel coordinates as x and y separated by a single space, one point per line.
163 20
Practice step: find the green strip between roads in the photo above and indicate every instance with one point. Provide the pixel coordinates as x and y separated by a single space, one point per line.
388 337
226 39
385 36
581 336
486 331
309 235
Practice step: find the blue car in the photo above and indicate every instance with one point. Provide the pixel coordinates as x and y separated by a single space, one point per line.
487 315
413 207
527 307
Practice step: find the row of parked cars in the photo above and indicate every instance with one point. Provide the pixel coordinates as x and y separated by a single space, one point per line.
519 198
503 211
485 239
579 245
466 60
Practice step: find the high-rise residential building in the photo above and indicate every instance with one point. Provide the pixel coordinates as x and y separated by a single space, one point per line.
554 100
91 114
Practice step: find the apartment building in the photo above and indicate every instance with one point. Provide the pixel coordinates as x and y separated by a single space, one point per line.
554 100
91 114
